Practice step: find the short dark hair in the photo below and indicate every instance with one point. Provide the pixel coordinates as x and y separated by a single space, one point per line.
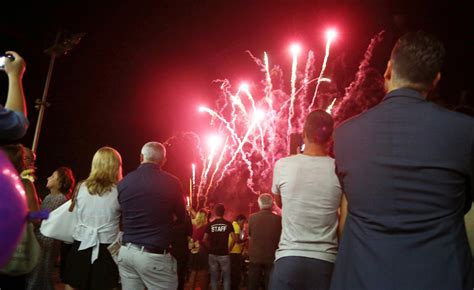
318 127
219 209
240 217
66 179
417 58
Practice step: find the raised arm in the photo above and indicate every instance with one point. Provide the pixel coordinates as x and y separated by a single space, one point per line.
277 199
31 195
16 97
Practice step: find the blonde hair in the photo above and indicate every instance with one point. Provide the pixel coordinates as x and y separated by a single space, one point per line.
200 219
106 171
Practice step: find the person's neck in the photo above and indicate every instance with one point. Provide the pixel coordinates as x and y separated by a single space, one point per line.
313 149
54 191
150 162
392 86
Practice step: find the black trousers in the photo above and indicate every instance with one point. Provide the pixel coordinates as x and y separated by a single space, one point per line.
182 263
235 271
259 275
64 252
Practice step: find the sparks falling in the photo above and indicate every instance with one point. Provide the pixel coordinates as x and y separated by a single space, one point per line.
330 35
295 50
255 121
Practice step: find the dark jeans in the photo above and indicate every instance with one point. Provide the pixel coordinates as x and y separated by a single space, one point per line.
235 271
300 273
259 275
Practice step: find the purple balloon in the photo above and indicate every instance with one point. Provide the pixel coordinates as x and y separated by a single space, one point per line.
13 209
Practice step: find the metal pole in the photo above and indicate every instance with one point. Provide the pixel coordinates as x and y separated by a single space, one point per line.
42 105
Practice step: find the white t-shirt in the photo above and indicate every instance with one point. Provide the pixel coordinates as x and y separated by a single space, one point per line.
311 195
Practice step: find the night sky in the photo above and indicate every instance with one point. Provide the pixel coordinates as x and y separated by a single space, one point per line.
144 67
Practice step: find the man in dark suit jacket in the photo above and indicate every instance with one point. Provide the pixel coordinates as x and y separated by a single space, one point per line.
406 167
264 233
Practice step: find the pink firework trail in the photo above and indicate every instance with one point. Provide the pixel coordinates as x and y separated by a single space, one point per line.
210 159
307 72
330 35
268 80
244 158
216 168
329 108
295 50
257 114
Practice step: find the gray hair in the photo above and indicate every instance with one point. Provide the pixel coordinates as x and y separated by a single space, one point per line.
153 152
265 201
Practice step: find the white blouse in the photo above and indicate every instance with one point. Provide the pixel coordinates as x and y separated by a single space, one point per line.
97 219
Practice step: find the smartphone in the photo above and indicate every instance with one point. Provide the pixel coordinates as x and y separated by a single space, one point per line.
3 59
296 143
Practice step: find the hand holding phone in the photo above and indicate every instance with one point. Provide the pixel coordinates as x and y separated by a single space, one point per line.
4 59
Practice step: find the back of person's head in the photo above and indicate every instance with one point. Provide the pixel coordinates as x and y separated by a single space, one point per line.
416 60
265 201
240 218
16 155
66 180
318 127
219 210
106 171
153 152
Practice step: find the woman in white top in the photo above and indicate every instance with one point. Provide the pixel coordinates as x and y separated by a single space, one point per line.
89 264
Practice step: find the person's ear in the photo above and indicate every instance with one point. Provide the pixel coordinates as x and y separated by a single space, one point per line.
388 71
141 158
163 161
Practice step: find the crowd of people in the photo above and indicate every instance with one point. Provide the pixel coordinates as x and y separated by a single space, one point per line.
385 210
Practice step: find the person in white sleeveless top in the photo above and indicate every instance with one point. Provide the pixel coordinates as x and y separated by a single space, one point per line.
89 264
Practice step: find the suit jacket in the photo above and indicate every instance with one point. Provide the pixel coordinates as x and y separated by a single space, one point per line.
406 167
264 232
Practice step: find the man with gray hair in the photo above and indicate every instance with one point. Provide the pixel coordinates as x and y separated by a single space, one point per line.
264 235
150 199
153 152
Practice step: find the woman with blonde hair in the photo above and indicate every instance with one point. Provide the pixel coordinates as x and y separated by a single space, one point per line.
198 278
89 264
